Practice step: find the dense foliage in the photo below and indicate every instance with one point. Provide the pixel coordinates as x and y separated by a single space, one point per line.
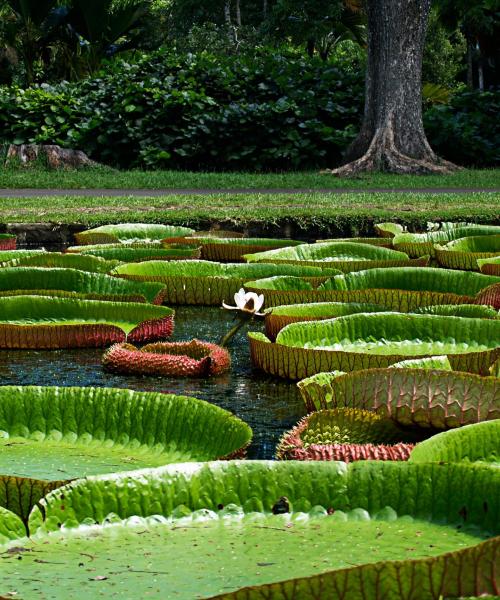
238 113
467 130
196 112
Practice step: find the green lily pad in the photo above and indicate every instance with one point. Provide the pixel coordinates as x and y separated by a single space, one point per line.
410 394
465 252
209 283
73 283
421 244
209 528
49 435
7 255
281 316
44 322
402 289
136 252
345 256
479 442
490 266
367 340
109 234
50 260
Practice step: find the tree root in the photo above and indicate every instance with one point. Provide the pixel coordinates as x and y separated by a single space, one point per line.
383 155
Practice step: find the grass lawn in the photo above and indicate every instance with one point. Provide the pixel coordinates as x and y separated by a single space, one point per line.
108 178
350 213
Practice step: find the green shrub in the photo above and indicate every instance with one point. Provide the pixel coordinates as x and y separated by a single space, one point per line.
196 112
200 112
467 130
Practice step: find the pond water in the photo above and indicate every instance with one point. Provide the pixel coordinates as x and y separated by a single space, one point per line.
268 405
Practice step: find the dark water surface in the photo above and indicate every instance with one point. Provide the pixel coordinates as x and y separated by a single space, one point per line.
268 405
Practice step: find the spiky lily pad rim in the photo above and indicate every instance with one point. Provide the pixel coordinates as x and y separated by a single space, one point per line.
194 358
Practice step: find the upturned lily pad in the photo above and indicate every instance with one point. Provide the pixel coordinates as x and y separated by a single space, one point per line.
40 322
110 234
8 255
401 289
411 395
490 266
209 283
368 340
51 260
195 358
213 528
281 316
7 241
374 241
52 435
465 252
74 283
232 249
345 256
388 230
473 443
137 252
421 244
471 311
346 434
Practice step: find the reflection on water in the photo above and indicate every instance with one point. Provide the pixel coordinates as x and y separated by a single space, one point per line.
269 406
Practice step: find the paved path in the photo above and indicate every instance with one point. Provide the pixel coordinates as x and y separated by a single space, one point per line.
32 193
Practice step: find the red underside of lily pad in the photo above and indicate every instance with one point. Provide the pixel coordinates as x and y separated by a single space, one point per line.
8 243
348 452
171 359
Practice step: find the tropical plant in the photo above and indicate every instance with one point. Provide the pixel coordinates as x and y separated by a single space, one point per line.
490 266
421 392
7 242
168 359
345 256
366 340
51 260
53 435
73 283
137 252
130 233
43 322
464 252
420 244
232 249
474 443
280 316
186 508
204 282
401 289
346 434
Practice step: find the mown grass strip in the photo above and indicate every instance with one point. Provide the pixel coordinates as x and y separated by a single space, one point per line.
344 211
104 177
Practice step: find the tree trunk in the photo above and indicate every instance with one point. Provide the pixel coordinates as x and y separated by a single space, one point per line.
480 70
470 64
264 9
238 13
392 136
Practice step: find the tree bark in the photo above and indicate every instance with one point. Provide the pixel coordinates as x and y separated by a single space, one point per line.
392 136
238 13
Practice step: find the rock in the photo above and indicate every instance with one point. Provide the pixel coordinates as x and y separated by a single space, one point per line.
53 157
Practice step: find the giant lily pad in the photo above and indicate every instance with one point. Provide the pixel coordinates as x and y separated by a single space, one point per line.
195 358
346 434
8 255
374 241
51 435
366 340
281 316
490 266
232 249
210 529
389 230
209 283
49 323
473 443
51 260
464 252
345 256
137 252
421 244
73 283
7 241
110 234
402 289
410 395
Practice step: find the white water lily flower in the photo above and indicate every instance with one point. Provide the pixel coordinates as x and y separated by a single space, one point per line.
248 302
